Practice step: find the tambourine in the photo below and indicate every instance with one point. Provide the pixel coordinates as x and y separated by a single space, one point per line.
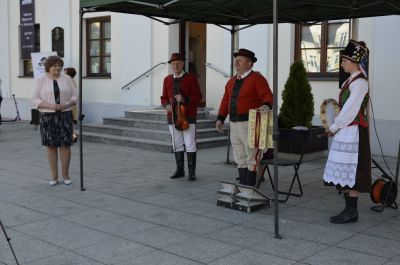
384 192
329 110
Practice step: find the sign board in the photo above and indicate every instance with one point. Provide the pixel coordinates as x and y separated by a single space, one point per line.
27 22
38 60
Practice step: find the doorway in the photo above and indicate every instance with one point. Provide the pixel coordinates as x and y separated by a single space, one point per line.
193 44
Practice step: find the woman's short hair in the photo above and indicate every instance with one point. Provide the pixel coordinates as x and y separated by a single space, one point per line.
52 60
70 71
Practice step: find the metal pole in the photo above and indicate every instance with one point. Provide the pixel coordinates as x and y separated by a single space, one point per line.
396 181
233 30
228 148
80 118
275 107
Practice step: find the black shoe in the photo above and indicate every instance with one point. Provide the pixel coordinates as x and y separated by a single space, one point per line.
180 165
178 174
349 214
191 157
242 175
345 217
251 178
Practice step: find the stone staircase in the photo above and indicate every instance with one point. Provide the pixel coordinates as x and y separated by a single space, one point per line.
148 130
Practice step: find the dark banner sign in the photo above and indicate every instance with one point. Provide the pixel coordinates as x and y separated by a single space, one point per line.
27 21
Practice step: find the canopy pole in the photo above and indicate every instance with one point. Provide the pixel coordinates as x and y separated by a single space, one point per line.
80 118
228 143
233 30
275 108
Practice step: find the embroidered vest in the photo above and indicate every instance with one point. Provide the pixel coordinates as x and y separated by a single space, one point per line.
361 118
233 116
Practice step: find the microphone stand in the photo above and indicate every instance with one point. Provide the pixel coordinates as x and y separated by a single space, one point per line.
17 118
8 240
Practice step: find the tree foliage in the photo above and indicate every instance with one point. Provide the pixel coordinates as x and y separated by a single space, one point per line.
297 99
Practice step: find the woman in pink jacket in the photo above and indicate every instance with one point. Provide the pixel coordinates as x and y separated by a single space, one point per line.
54 95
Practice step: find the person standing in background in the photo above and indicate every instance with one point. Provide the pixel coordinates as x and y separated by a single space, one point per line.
54 95
182 89
349 161
70 71
244 91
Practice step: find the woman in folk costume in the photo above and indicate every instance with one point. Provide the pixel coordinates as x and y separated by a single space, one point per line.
349 161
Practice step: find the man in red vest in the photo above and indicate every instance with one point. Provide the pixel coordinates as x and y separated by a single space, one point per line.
244 91
181 95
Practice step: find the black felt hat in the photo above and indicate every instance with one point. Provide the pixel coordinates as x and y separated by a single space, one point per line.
247 53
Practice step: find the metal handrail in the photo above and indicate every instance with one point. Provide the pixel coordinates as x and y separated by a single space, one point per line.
140 76
219 70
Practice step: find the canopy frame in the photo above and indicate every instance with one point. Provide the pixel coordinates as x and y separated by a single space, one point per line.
289 11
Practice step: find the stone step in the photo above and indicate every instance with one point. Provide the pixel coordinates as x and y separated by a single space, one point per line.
155 145
160 115
162 135
151 124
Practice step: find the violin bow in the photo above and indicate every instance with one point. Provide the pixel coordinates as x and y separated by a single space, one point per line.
173 126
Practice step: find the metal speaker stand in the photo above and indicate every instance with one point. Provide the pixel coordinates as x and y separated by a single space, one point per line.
241 197
9 243
17 118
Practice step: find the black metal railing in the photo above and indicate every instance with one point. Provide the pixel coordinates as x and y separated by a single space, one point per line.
219 70
127 86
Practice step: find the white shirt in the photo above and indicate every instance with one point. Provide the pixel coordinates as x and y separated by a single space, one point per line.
180 75
244 75
358 90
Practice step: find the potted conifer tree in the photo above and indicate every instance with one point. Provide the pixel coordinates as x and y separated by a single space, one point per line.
297 111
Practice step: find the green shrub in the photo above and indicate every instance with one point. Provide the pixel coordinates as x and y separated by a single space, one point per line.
297 99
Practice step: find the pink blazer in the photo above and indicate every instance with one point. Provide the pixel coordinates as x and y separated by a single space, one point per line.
44 91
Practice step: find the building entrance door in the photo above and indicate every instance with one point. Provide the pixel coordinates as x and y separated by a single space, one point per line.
193 44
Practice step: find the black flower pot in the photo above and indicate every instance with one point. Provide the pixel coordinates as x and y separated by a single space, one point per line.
316 141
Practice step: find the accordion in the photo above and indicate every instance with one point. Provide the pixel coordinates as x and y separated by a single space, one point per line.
260 129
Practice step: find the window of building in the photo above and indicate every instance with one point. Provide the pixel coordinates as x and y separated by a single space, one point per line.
318 46
98 51
27 64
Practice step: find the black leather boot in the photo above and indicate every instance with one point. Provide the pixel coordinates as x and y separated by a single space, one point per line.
349 214
242 175
191 157
251 178
180 165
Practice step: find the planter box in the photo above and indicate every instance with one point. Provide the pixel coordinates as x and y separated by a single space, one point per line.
316 141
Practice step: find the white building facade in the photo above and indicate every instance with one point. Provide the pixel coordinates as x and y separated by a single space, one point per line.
132 44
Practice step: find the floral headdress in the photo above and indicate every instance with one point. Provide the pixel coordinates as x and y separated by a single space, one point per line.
357 52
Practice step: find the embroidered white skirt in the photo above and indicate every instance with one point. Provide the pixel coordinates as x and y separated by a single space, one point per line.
341 167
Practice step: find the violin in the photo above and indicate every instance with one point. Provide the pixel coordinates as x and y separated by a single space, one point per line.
181 122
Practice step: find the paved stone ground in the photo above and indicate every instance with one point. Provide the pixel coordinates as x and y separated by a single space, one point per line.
132 213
